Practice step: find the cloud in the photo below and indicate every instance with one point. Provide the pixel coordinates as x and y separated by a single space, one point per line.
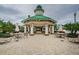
7 10
60 10
69 18
62 13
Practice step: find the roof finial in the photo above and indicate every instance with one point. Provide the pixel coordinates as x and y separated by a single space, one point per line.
39 6
28 16
39 10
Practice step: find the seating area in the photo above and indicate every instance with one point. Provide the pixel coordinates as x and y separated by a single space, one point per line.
60 34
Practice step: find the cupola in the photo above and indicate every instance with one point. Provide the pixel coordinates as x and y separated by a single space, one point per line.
39 10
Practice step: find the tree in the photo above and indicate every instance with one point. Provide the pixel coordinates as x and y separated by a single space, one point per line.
6 26
72 27
9 27
1 25
56 27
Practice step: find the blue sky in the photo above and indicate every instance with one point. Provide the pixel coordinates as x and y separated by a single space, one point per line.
62 13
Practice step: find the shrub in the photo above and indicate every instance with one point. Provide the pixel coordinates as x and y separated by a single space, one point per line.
4 35
72 35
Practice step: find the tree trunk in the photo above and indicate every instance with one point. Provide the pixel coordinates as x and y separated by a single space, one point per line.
75 32
71 31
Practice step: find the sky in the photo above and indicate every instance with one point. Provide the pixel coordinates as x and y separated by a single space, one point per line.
62 13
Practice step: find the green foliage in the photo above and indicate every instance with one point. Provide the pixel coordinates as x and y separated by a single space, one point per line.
55 27
6 26
21 28
72 27
1 25
9 27
4 35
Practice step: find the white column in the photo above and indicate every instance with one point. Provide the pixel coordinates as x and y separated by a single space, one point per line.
52 29
46 29
31 32
28 29
24 29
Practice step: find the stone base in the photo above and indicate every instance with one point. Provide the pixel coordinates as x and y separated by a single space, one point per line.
74 40
52 33
31 34
46 34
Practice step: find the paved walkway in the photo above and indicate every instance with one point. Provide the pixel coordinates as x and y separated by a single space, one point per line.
39 45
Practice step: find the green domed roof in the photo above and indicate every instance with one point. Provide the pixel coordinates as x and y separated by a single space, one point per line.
39 17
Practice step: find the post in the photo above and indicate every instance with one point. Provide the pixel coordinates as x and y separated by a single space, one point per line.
46 29
31 32
52 29
28 29
75 17
24 29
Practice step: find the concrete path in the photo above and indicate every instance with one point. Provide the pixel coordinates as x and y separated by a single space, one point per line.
39 45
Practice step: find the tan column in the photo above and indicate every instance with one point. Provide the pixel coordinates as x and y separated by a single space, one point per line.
52 29
32 31
24 29
28 29
46 29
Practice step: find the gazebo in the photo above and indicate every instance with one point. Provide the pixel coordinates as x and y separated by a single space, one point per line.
39 23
